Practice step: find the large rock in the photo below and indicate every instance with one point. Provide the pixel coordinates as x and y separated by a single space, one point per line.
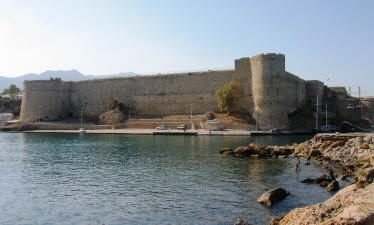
242 151
112 117
337 144
242 221
333 186
323 180
222 150
252 149
226 152
274 221
315 153
273 196
349 206
365 176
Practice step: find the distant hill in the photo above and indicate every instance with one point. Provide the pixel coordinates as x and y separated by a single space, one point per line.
67 75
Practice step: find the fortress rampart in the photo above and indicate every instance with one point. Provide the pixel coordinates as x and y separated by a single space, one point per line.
48 99
270 93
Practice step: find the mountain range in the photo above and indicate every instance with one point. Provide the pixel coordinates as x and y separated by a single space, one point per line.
66 75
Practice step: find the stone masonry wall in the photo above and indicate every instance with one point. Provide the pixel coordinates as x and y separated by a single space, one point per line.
45 99
243 75
154 95
270 93
275 91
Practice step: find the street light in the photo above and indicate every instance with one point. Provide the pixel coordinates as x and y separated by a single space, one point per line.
83 104
191 115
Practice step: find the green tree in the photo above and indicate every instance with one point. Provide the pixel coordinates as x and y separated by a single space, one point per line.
228 96
12 90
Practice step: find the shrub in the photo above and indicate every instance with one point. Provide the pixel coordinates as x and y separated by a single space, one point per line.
228 96
90 116
113 103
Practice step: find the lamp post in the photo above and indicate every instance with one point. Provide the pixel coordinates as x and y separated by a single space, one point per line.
129 111
191 115
82 116
39 115
317 113
326 114
83 104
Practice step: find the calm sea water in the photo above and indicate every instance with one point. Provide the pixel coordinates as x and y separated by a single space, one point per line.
118 179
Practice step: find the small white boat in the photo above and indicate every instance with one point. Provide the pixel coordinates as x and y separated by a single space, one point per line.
82 130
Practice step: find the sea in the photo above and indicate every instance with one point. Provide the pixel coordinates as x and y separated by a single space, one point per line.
145 179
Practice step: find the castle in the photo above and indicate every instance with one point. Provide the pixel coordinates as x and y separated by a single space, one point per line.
271 93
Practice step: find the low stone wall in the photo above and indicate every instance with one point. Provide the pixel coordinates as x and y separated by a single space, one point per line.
154 124
56 126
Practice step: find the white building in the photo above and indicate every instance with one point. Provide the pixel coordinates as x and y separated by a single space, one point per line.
13 97
6 116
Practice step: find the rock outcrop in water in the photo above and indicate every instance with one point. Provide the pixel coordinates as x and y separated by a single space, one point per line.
273 196
258 151
353 155
242 221
353 204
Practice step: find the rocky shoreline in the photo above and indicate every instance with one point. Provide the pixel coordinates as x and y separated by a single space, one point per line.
351 156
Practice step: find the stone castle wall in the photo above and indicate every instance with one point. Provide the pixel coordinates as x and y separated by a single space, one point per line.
270 93
154 95
48 99
148 95
368 107
275 91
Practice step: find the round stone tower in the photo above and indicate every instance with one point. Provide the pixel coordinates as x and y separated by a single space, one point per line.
267 73
45 99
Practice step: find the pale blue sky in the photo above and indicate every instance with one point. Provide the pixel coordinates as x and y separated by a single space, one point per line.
321 39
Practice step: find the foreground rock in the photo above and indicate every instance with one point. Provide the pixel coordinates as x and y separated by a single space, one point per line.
349 206
273 196
355 203
352 155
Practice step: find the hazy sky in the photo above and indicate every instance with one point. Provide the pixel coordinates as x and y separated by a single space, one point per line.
321 39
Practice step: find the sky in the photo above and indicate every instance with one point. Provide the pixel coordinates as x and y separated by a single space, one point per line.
327 40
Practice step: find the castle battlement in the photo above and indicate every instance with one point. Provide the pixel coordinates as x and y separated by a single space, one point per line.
270 92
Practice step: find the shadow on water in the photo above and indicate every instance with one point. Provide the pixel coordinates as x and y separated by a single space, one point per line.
116 179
